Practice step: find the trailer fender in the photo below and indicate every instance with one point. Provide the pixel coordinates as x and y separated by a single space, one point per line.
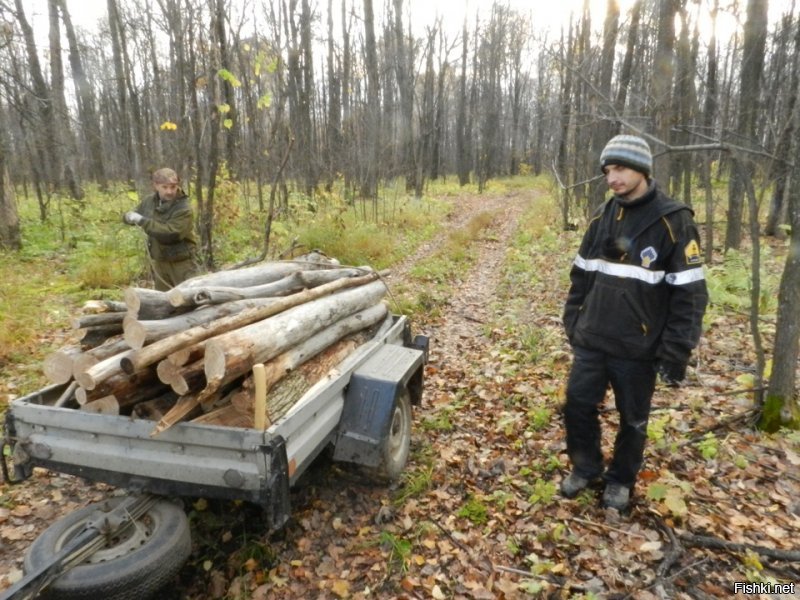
375 427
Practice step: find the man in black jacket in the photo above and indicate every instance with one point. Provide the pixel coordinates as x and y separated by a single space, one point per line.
634 310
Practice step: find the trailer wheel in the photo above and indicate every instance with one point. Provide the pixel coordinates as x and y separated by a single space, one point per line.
395 448
131 567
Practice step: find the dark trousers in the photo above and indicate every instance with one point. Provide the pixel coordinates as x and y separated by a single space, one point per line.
633 383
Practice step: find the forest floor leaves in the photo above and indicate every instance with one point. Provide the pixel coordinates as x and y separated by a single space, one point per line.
477 513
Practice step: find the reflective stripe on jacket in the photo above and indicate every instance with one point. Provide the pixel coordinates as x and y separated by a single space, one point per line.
637 284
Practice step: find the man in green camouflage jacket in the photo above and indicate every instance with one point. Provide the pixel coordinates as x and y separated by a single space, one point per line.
166 217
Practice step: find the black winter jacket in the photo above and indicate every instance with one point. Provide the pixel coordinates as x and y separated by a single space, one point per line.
638 287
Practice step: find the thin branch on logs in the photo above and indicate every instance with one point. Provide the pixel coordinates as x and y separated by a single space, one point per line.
67 395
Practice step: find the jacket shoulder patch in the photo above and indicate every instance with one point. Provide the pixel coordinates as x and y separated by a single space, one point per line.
692 253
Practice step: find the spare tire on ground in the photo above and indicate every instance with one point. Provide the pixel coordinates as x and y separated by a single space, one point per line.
131 566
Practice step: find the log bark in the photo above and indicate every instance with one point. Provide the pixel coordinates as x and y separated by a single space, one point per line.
286 391
85 321
91 357
139 333
292 283
94 336
106 368
128 389
226 416
247 277
103 306
239 411
234 353
316 345
184 379
61 366
156 408
138 359
145 303
185 408
189 354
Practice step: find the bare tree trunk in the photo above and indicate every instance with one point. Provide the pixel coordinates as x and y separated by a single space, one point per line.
10 235
404 72
232 127
87 113
423 151
782 407
783 170
369 184
687 106
124 132
440 117
755 37
462 151
663 75
45 139
334 125
709 111
63 133
562 162
601 132
627 62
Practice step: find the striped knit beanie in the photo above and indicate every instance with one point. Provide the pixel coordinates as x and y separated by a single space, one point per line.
629 151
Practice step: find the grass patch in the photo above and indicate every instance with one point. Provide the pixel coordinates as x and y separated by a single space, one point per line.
83 251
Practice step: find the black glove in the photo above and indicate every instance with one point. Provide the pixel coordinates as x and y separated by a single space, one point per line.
672 373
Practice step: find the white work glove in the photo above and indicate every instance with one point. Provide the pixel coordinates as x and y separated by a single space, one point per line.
132 218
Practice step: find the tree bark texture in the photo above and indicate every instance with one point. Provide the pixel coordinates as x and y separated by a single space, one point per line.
139 333
148 355
247 277
234 353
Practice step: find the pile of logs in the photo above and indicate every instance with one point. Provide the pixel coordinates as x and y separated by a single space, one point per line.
235 348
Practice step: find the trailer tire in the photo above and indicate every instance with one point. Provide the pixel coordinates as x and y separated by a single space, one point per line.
397 445
132 568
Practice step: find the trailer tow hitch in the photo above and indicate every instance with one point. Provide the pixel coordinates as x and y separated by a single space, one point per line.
102 526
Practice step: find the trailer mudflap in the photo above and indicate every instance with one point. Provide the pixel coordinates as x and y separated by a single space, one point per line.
370 402
276 489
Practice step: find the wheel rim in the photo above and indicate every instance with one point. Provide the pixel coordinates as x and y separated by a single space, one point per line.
399 433
116 546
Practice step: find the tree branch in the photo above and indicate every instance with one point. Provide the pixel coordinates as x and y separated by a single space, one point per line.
705 541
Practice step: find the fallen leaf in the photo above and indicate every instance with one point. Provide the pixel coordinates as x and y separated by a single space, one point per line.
12 534
22 510
341 588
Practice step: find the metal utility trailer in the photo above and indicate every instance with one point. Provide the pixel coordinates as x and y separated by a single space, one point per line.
362 409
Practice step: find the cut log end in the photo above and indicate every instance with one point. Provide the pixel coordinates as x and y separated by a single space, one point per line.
134 332
82 364
58 366
107 405
132 301
215 360
177 297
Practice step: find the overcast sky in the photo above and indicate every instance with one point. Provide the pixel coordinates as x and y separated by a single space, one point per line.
546 14
87 12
